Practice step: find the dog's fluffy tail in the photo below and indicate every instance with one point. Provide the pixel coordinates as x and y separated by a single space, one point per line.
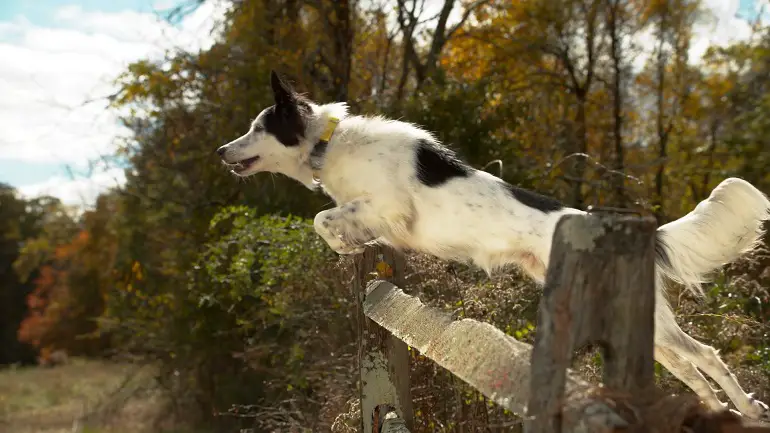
718 231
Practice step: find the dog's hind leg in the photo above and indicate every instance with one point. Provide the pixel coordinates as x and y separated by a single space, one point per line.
348 227
685 371
672 338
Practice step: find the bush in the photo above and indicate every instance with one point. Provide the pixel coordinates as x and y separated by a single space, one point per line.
262 313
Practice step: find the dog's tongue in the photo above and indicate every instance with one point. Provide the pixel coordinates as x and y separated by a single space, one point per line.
245 164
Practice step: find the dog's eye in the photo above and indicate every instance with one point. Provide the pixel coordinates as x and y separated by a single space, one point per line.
258 128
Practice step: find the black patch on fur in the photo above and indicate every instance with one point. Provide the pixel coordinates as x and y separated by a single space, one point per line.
286 123
661 253
286 119
532 199
437 164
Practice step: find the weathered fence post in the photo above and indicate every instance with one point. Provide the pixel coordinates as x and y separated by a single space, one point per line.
599 289
383 359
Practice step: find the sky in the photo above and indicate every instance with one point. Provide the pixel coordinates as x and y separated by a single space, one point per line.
60 58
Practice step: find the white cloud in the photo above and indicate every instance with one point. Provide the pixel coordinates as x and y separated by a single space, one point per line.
720 26
80 191
49 73
723 28
162 5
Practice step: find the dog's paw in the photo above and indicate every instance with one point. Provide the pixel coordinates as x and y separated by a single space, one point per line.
716 405
352 250
757 411
760 410
344 248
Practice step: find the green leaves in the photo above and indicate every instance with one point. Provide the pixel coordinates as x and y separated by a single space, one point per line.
257 256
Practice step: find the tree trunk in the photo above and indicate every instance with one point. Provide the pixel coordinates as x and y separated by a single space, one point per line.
343 47
579 168
662 131
617 101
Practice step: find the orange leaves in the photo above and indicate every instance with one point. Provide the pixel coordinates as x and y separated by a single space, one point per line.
48 290
65 251
71 270
468 56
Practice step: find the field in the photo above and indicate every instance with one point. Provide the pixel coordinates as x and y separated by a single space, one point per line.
82 396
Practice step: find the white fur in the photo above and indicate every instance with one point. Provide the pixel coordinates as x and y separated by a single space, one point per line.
369 170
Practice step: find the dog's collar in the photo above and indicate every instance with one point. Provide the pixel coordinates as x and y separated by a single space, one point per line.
316 155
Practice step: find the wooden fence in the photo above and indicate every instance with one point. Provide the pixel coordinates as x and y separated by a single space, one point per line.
599 289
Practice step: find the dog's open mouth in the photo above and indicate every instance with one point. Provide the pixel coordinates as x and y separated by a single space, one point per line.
243 165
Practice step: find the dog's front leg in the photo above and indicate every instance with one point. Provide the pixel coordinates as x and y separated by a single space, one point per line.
348 227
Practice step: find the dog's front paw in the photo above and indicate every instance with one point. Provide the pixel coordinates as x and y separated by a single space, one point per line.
717 406
757 411
341 247
351 250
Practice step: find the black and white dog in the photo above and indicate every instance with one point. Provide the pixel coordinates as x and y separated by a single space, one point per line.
394 183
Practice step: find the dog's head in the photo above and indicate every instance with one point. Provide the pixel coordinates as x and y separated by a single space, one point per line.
273 143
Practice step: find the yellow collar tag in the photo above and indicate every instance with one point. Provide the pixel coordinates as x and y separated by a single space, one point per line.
331 125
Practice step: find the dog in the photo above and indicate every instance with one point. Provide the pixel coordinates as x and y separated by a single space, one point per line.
393 183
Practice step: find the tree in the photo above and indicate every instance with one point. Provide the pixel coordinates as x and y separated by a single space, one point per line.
409 14
674 20
70 266
621 26
20 220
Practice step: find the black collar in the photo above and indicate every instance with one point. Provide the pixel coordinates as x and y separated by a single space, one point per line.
319 149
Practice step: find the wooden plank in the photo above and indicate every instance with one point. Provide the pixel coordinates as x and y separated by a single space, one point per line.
599 289
483 356
383 359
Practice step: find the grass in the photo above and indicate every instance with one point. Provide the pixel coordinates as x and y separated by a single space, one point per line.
82 396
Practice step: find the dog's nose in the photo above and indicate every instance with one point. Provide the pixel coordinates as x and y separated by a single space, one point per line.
221 151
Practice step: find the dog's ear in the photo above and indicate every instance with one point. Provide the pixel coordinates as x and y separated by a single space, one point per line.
282 92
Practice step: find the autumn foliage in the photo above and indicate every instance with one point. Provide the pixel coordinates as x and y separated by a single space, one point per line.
223 284
70 282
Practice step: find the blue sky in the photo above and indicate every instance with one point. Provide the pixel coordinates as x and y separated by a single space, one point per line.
747 9
64 52
41 11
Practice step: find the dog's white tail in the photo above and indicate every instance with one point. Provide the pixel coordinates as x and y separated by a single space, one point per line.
718 231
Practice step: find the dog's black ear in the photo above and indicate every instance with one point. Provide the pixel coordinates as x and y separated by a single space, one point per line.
282 92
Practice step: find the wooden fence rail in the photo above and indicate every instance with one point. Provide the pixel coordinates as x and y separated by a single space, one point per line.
599 289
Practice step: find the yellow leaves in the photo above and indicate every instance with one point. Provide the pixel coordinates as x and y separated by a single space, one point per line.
136 270
467 56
